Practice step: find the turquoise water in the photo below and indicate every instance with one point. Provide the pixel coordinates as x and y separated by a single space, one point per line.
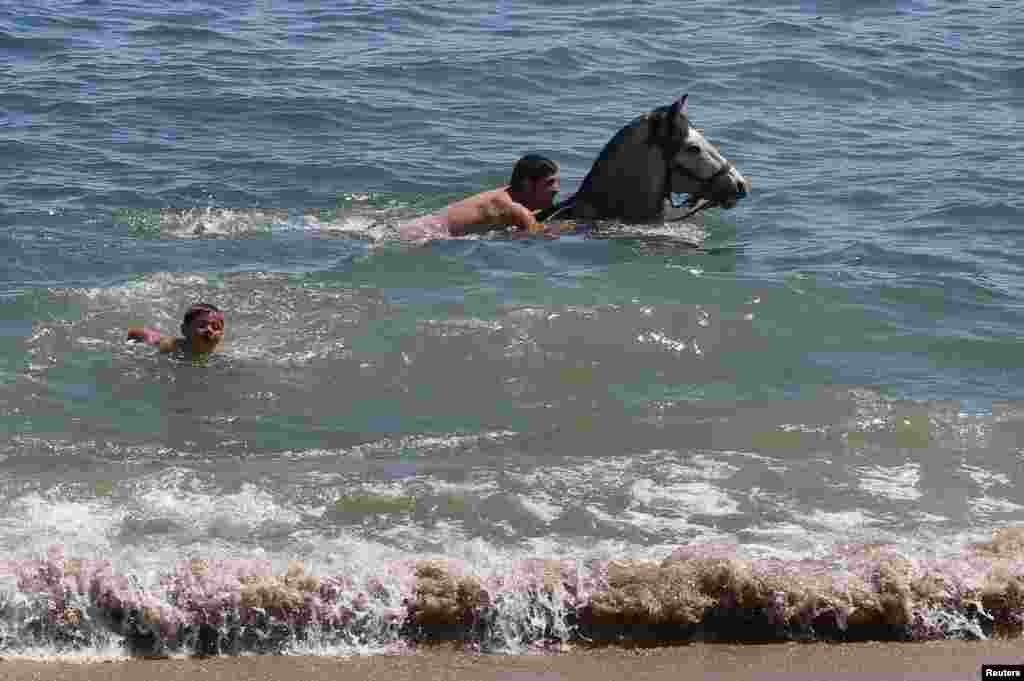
835 360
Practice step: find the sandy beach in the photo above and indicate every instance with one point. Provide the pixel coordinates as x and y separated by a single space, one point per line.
946 660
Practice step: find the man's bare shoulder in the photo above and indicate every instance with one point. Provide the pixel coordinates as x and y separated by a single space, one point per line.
497 196
501 194
489 208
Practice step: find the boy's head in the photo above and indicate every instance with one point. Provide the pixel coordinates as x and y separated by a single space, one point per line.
203 327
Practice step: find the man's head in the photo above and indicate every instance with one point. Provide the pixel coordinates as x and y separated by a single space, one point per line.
203 327
535 182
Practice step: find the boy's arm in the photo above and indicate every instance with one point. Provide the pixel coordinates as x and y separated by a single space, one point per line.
168 344
152 337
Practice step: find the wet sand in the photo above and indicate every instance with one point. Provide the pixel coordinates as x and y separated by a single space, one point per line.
799 662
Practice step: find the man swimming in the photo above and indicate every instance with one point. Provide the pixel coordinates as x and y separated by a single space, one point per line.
202 328
533 187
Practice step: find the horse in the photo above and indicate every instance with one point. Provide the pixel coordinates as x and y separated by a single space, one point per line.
656 155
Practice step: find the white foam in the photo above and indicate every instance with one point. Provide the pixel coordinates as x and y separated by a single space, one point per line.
210 221
984 478
248 508
843 521
541 508
34 522
683 498
898 483
987 505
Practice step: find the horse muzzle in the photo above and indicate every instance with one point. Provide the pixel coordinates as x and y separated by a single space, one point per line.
728 189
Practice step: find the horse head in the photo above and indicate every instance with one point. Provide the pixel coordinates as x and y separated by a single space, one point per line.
656 155
695 166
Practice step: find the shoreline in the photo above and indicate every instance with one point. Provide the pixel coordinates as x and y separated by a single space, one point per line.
938 660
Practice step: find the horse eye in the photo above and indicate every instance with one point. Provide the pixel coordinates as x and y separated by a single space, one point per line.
693 149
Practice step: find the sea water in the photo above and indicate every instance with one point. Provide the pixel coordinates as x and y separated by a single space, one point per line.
797 421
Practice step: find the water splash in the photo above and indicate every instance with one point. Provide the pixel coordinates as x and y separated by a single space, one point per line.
700 592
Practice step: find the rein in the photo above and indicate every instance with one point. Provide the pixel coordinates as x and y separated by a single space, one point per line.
701 205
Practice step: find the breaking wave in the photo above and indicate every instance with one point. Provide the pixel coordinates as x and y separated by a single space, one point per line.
699 592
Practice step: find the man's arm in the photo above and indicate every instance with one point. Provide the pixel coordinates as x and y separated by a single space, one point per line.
485 211
522 218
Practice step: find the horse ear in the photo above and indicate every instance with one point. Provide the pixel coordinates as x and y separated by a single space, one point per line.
679 106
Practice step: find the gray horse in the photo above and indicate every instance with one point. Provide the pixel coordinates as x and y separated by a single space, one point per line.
658 154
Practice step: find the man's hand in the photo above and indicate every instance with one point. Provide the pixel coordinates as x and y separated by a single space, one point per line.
546 232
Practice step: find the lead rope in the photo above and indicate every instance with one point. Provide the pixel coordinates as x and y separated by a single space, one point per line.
568 204
701 205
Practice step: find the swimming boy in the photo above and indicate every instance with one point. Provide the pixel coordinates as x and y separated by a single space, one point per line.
202 328
533 187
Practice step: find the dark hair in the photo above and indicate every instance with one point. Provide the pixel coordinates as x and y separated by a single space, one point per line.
195 310
531 167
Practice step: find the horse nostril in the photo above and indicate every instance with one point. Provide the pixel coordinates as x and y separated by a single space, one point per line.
741 189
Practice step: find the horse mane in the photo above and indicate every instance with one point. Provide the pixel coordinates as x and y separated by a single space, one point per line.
607 152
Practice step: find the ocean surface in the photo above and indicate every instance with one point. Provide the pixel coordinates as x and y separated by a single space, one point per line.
798 420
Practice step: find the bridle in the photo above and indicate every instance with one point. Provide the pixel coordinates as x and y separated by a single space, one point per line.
705 185
670 150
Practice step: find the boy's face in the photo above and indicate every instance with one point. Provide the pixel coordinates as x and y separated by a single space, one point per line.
205 331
